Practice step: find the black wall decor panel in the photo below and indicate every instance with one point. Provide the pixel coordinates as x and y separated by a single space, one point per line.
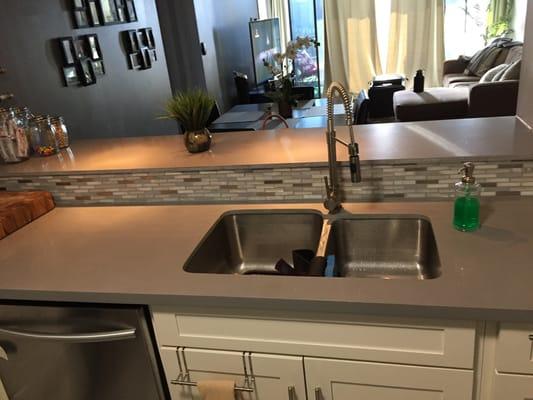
122 103
141 47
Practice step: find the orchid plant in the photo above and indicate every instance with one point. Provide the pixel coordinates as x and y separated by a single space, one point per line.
281 66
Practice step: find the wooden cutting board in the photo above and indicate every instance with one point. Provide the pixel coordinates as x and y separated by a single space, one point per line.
20 208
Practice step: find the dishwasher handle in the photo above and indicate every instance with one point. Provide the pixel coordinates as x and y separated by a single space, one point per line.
92 337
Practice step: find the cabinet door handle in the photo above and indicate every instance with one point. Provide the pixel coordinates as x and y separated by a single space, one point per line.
292 394
531 337
318 394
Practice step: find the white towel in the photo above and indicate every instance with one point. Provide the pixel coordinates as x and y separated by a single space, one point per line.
217 390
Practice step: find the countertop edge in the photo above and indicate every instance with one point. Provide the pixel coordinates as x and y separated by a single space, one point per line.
270 304
295 165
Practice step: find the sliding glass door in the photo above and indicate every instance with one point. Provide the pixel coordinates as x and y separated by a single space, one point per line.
307 19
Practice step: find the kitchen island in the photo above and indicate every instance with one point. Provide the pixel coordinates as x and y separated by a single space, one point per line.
463 335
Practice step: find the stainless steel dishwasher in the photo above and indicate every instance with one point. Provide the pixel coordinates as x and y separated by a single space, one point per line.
77 353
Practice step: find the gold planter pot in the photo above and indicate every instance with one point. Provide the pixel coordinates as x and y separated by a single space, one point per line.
197 141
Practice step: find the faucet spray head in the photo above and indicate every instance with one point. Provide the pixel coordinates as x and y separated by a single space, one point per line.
355 165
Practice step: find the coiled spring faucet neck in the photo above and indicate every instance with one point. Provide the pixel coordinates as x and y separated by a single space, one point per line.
332 202
336 87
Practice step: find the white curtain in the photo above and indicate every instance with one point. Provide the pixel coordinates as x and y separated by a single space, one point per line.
280 9
352 54
416 39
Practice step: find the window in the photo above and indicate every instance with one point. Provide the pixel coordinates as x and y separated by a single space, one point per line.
307 19
465 27
262 7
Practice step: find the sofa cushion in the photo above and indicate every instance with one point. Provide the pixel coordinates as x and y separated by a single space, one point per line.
502 57
454 78
483 60
500 73
434 103
514 54
512 73
491 73
467 85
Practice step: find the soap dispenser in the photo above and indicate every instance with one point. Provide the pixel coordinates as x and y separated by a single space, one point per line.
467 194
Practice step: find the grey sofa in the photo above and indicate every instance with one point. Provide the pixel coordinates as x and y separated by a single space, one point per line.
462 94
488 99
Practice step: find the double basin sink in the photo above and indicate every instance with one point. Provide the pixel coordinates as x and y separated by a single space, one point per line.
362 246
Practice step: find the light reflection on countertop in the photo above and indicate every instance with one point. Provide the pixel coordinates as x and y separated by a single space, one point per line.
483 138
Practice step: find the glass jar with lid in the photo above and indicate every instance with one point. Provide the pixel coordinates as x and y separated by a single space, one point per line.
44 140
61 132
14 146
25 115
34 132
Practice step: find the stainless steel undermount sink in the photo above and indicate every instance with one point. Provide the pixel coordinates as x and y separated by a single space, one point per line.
364 246
251 242
387 247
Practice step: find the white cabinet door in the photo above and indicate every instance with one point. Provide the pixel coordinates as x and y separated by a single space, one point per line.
512 387
274 375
514 348
349 380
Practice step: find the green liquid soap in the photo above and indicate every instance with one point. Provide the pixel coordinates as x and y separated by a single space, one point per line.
466 214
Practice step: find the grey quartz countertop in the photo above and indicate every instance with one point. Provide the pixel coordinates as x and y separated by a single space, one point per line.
136 254
482 138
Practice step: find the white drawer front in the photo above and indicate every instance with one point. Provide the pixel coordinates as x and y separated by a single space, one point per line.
514 349
512 387
351 380
449 344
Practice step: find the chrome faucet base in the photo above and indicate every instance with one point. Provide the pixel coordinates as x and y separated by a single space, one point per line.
333 206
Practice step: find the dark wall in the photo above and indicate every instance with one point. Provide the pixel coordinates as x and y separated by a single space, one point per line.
182 45
124 102
223 27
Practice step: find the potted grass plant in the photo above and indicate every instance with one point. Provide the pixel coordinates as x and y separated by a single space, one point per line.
192 110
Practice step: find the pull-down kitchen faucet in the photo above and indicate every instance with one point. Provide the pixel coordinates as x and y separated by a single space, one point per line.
332 202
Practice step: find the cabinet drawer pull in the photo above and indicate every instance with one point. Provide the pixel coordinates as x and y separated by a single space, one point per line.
318 394
292 394
188 383
531 337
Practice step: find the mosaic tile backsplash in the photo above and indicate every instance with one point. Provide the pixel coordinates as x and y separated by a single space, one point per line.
413 180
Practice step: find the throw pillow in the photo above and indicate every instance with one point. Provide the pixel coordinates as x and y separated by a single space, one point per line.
513 72
491 73
499 75
483 60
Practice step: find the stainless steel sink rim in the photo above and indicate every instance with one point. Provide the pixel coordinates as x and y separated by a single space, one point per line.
420 261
